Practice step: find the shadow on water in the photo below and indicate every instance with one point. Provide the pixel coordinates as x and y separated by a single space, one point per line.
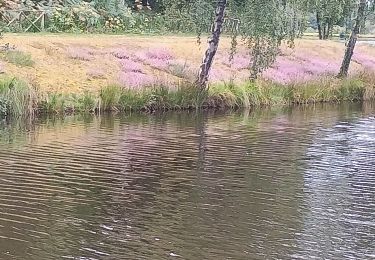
272 183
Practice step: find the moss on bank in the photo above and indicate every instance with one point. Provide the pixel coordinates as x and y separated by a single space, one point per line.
19 99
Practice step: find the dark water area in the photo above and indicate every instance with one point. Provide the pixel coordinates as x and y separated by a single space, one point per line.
282 183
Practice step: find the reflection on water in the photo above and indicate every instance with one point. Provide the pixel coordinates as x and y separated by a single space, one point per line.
273 184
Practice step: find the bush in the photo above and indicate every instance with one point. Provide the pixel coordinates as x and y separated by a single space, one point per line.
75 18
18 58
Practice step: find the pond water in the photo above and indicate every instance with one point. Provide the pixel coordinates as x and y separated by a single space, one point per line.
283 183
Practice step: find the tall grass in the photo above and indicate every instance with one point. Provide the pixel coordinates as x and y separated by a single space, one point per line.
327 89
16 98
19 99
117 98
110 97
57 103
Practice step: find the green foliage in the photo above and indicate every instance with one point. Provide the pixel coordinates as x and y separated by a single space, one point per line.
264 25
351 90
110 97
111 7
57 103
331 12
260 93
88 102
16 98
78 17
247 94
18 58
134 100
53 103
115 98
3 106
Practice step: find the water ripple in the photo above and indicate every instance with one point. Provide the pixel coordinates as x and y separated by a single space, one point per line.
271 184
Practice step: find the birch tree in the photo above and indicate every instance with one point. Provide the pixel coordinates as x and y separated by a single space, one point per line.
353 38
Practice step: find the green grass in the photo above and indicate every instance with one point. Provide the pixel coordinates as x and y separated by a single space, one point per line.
267 94
19 99
116 98
110 97
16 98
18 58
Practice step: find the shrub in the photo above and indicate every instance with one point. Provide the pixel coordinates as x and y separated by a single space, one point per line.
77 17
18 58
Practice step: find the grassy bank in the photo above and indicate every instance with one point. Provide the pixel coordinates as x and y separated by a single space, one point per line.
17 98
53 73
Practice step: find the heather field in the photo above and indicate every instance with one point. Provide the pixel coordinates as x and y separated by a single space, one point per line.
93 66
73 64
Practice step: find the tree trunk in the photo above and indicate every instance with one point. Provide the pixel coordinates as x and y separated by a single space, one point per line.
329 29
324 31
353 39
213 45
319 25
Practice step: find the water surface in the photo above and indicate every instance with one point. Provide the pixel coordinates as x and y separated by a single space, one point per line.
291 183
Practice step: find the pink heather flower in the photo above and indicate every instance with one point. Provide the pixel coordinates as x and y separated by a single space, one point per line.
239 62
130 66
159 54
140 56
96 73
285 71
156 58
158 63
80 53
366 61
289 69
135 79
217 75
286 76
121 54
317 65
